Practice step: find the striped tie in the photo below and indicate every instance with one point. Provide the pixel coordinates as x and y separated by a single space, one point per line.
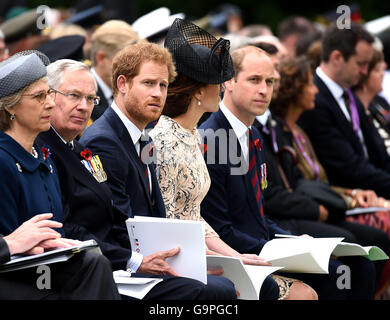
253 172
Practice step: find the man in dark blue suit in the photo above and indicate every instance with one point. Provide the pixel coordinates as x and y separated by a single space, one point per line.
141 75
344 140
233 205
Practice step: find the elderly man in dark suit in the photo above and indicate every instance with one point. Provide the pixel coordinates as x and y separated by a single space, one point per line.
235 160
343 138
92 210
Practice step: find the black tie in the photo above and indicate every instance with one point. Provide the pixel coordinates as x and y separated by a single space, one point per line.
347 102
143 154
70 145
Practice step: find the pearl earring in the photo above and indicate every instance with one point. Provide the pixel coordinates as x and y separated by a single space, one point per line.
12 117
198 103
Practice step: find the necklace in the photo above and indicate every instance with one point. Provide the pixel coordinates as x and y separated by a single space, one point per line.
34 153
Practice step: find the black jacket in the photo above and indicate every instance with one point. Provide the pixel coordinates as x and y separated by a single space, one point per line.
88 207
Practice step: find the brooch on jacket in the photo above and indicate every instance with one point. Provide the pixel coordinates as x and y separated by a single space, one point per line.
45 152
93 165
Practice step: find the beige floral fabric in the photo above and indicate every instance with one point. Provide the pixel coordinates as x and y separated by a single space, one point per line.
181 170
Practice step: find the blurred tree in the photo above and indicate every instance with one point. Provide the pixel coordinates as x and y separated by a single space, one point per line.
264 12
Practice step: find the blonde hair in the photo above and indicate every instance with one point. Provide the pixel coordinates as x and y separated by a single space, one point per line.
62 30
111 37
128 61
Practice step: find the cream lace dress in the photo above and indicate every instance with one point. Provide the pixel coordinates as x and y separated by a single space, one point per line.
183 177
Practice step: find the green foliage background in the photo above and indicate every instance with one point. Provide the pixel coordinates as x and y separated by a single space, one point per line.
254 11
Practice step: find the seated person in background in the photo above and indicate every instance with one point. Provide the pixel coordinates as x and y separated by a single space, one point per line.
322 210
106 41
182 172
141 75
338 127
376 107
29 185
235 162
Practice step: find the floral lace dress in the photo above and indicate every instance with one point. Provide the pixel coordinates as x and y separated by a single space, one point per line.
184 179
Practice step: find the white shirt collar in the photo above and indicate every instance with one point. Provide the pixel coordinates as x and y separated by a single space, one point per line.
133 130
264 117
335 89
103 86
239 128
63 140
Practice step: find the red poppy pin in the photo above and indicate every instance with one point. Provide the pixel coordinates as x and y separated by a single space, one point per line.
258 144
151 149
45 152
203 148
86 154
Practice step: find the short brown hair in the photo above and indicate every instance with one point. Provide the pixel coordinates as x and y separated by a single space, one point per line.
180 93
294 76
128 61
239 54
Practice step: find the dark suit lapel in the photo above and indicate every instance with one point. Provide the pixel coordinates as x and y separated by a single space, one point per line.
232 138
124 136
342 121
72 161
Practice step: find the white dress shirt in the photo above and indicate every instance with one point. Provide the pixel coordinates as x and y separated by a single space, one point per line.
337 92
239 128
107 91
135 134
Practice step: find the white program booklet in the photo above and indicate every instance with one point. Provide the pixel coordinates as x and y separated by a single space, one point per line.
247 279
133 286
149 235
19 262
311 255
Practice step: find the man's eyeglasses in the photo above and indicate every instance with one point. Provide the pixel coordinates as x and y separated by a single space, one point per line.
77 98
41 96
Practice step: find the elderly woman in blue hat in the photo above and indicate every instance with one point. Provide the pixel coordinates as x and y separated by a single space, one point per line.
30 192
28 178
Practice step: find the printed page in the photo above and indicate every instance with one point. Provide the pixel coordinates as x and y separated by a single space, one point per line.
133 287
300 254
150 235
359 210
247 279
373 253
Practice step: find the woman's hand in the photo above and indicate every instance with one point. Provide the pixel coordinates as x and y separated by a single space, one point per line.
365 198
252 259
31 233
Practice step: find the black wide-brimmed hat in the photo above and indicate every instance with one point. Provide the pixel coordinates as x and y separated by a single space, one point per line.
66 47
198 54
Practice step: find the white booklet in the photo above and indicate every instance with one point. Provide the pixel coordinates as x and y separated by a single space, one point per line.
311 255
247 279
149 235
359 210
19 262
135 287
